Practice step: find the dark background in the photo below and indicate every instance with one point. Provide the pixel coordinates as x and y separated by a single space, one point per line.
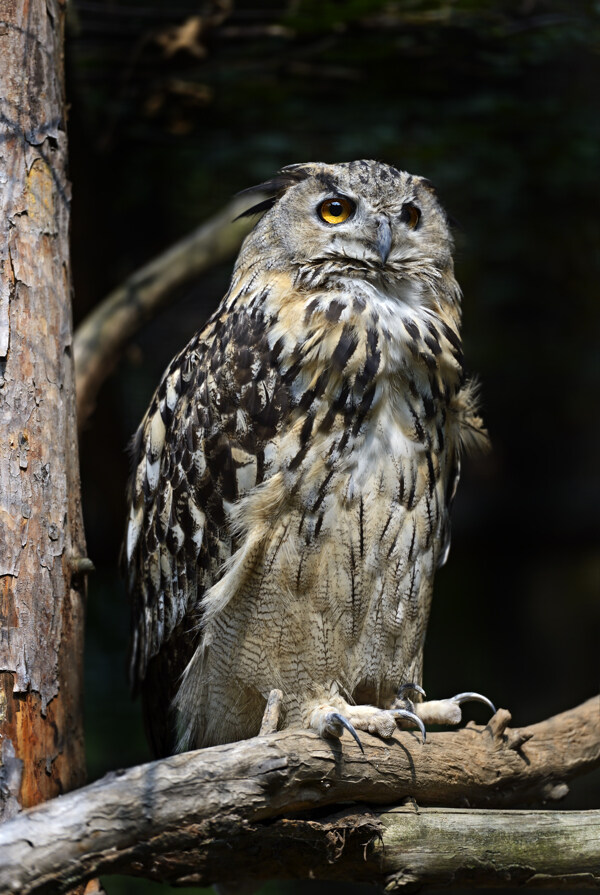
497 104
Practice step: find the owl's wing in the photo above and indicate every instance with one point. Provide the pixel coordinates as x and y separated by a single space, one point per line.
199 448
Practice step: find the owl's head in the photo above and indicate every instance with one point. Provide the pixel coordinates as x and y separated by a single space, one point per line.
361 218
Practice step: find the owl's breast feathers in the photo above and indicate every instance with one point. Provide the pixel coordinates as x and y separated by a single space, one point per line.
288 402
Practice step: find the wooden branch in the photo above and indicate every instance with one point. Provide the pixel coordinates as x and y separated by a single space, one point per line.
105 333
396 848
180 818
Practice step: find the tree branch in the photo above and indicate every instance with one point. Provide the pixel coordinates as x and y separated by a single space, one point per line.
180 818
105 333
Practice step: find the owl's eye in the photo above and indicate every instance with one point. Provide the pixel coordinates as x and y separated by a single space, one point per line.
410 215
335 211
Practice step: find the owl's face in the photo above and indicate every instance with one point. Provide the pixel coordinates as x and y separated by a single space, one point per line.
361 217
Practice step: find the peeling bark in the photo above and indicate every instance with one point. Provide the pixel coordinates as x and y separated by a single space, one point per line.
41 599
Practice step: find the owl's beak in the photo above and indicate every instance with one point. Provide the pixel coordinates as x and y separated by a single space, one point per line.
383 242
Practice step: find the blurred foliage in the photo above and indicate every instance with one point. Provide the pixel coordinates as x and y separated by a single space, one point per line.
176 107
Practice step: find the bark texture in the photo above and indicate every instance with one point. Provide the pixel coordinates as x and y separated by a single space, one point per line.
208 816
41 534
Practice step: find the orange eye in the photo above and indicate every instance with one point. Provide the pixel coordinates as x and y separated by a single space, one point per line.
335 211
410 215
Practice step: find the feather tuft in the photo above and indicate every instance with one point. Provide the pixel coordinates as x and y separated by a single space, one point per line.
473 435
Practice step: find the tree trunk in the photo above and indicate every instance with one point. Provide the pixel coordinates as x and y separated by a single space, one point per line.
42 545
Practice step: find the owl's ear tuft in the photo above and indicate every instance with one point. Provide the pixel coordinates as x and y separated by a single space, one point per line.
258 208
429 186
276 186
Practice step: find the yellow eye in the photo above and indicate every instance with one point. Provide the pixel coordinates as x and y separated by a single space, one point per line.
410 215
335 211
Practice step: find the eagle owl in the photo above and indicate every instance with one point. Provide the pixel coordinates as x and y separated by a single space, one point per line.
293 476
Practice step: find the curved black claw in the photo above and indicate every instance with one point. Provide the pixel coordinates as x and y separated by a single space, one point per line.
414 687
410 716
339 719
474 697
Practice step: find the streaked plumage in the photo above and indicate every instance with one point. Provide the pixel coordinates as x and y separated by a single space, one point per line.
293 475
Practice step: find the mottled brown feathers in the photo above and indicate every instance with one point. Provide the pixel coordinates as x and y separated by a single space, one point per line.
292 478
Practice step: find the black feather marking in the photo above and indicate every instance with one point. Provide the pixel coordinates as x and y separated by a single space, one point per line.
419 431
373 358
267 421
315 392
306 430
433 344
302 518
363 408
328 181
361 527
300 562
441 439
411 494
260 466
429 520
322 490
261 373
311 308
334 310
430 361
385 528
166 414
277 349
343 441
412 541
411 328
401 489
318 525
452 337
428 407
337 406
298 458
345 348
430 472
393 544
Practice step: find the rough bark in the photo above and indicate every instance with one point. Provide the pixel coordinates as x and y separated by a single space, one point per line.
208 815
41 534
105 333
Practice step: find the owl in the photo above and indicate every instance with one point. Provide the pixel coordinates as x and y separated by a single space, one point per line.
292 479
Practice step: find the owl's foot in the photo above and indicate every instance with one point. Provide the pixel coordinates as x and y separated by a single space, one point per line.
330 720
438 711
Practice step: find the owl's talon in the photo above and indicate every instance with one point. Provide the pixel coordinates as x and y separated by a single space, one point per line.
473 697
448 711
415 688
333 720
410 716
